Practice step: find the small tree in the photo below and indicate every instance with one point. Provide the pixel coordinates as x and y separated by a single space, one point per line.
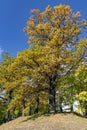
82 97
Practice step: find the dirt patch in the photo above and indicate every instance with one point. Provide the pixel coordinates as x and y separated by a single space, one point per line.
52 122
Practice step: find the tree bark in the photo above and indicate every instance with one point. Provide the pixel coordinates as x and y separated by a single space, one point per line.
52 94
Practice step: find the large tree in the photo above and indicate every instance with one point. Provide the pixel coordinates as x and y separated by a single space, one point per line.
58 30
55 51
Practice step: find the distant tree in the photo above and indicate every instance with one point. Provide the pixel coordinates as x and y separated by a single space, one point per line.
82 97
5 79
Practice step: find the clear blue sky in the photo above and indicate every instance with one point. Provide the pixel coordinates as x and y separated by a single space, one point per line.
14 15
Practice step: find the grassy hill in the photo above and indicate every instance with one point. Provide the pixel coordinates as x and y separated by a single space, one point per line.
47 122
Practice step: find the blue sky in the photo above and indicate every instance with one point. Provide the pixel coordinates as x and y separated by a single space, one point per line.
14 15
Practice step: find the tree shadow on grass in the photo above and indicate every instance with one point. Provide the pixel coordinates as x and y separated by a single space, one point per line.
35 116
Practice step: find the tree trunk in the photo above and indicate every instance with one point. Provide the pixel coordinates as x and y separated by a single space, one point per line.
30 111
52 103
36 105
6 118
23 114
86 109
23 107
7 113
52 94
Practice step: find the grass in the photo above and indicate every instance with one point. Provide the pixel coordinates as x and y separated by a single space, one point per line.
47 122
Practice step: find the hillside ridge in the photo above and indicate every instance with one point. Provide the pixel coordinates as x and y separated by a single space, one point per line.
47 122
